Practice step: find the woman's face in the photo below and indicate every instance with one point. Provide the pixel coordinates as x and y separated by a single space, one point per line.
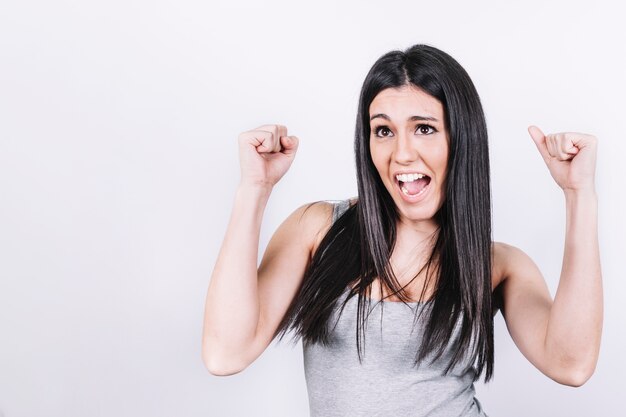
409 147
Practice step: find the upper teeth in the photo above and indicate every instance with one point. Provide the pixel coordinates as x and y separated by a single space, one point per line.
409 177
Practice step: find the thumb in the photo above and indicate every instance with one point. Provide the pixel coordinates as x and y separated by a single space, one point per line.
540 141
289 144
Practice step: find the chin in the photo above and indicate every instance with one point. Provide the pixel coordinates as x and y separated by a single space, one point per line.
424 209
418 213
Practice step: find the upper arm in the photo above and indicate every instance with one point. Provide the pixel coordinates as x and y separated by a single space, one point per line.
282 268
526 307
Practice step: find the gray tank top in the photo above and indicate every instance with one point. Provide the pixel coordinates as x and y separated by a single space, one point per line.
386 383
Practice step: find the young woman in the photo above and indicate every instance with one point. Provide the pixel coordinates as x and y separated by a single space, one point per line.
416 243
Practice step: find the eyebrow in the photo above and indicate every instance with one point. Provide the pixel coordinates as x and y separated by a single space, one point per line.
410 119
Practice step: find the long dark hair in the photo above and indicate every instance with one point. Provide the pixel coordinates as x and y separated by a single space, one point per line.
358 246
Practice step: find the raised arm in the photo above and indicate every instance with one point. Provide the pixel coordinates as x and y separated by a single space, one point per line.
561 338
574 328
232 302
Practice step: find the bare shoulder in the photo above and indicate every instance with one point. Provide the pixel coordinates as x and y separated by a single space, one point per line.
503 255
497 262
508 259
316 220
517 275
313 220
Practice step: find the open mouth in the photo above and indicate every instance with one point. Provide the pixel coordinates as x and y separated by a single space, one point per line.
413 185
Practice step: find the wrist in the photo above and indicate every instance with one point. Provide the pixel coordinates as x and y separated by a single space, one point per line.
580 194
254 189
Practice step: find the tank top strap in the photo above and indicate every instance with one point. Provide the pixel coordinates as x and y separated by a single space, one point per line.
340 207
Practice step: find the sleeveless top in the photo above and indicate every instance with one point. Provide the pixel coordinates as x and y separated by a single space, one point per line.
386 382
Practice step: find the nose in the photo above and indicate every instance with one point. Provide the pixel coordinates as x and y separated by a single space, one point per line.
405 152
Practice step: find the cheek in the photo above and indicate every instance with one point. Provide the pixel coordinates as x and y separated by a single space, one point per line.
441 157
443 163
377 158
443 174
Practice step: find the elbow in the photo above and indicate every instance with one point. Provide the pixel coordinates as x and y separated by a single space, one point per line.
221 370
573 370
220 366
578 376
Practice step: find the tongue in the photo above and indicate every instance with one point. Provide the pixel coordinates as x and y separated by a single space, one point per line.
416 186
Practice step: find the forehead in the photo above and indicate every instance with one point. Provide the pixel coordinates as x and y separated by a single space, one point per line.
403 102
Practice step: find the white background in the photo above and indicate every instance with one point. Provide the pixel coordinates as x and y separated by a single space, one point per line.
118 166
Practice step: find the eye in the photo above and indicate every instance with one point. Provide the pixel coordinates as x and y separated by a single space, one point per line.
423 128
380 129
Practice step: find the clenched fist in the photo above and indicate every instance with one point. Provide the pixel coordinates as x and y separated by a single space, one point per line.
265 154
570 157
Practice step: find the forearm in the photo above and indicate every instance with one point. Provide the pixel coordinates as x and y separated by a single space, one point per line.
575 325
232 302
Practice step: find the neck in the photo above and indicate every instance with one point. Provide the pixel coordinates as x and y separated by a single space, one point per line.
415 232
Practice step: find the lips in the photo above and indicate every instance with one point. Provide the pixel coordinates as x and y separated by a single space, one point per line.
415 190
